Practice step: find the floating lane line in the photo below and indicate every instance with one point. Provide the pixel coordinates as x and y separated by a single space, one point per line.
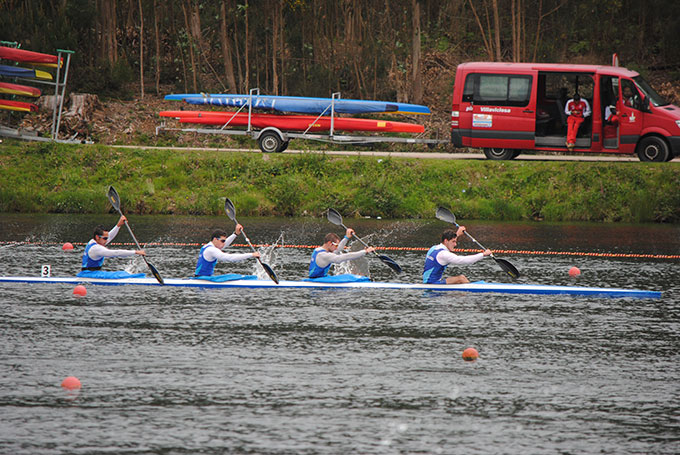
391 248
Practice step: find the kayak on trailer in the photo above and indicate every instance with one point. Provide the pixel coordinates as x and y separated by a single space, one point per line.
18 106
24 56
301 104
292 122
17 71
480 286
20 90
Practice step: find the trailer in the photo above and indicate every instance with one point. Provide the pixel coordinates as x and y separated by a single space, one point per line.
272 139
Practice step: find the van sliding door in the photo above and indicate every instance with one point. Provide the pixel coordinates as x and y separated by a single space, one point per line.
499 110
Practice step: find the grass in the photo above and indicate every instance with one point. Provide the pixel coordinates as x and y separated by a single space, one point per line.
58 178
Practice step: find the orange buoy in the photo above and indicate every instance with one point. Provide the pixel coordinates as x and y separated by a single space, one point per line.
71 383
574 271
68 246
470 354
80 290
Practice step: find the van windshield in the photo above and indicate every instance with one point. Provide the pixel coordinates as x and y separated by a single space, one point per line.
649 92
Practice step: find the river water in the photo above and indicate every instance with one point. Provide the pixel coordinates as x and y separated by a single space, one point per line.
188 371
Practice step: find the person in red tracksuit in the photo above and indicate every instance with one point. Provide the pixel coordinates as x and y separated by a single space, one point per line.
577 110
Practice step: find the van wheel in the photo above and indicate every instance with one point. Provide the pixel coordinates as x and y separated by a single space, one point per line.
499 154
283 147
653 149
270 142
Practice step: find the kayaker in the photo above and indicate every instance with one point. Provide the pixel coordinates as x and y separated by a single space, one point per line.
212 252
330 253
96 252
440 256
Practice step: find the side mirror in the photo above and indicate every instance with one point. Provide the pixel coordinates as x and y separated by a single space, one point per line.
645 104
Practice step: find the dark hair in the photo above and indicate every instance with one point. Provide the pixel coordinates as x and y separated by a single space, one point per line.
331 237
449 234
577 96
98 231
218 233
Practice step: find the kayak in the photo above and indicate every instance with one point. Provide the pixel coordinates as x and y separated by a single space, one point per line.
292 122
478 287
21 90
301 104
18 106
17 71
24 56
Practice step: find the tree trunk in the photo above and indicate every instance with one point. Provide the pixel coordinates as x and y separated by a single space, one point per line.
191 44
247 65
109 43
141 48
275 46
226 49
497 29
158 47
416 76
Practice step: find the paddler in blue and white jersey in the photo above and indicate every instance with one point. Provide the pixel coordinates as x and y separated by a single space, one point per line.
96 252
440 256
330 253
212 252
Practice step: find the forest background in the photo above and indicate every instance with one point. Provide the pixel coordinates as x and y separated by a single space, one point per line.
388 49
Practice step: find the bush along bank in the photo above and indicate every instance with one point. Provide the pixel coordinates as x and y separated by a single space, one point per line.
58 178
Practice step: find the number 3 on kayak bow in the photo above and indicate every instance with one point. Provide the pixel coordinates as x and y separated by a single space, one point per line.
446 215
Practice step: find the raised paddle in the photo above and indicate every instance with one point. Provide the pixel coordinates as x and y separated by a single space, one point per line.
115 202
231 213
446 215
335 218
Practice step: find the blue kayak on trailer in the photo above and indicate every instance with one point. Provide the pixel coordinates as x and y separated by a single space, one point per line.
248 283
300 104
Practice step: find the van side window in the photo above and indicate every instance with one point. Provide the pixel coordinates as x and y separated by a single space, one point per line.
498 89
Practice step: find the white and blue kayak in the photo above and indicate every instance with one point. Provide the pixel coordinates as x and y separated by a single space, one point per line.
300 104
481 286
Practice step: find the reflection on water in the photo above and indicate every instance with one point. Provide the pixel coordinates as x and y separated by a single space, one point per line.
180 371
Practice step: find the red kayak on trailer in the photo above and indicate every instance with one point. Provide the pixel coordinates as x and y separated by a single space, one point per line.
21 90
20 55
292 122
18 106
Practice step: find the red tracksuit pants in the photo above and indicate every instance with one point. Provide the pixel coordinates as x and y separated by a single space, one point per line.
573 123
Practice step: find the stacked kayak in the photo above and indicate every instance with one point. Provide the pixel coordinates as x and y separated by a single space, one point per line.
291 122
320 113
23 57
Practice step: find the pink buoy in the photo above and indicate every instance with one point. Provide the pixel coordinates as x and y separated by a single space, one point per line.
71 383
68 246
574 271
80 291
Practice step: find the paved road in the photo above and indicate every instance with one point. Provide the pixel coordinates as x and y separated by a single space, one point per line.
425 155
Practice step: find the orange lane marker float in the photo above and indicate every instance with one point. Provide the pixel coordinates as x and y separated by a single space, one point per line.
470 355
68 246
80 291
71 383
574 271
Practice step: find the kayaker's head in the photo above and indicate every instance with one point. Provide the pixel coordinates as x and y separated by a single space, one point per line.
218 238
100 235
450 239
330 242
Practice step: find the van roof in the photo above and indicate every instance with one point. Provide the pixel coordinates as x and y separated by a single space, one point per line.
556 67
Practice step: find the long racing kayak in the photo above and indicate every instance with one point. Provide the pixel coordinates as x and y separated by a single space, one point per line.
24 56
292 122
17 71
20 90
18 106
505 288
301 104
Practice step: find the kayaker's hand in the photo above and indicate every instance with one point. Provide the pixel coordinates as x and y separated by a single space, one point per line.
238 229
349 233
256 254
461 230
121 221
140 252
487 252
370 249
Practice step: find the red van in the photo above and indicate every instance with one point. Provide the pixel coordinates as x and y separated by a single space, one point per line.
505 108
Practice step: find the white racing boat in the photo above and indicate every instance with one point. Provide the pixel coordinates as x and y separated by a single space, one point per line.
480 286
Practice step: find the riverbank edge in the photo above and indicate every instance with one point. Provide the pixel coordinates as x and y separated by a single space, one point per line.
59 178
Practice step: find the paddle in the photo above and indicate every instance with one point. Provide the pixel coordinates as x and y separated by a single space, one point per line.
335 218
115 201
231 213
446 215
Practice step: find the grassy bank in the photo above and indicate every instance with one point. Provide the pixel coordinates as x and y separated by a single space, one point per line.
43 177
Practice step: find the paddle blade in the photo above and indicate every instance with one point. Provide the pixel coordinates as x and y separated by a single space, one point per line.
390 262
230 209
114 198
154 272
507 267
334 217
270 272
445 215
